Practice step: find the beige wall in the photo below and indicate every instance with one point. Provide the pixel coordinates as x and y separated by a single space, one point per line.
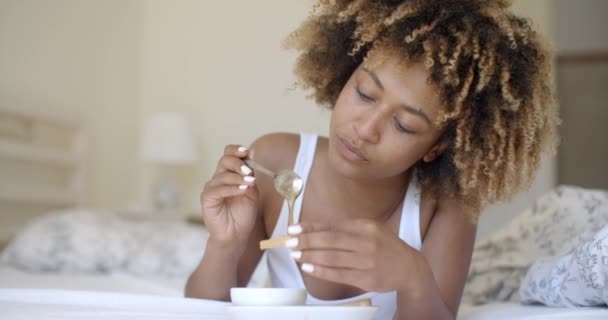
83 57
238 91
219 62
222 64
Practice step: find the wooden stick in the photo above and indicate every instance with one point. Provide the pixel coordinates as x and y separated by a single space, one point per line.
273 243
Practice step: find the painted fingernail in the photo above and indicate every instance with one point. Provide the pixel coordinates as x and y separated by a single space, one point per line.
294 230
249 178
242 149
307 267
291 243
243 187
296 254
246 170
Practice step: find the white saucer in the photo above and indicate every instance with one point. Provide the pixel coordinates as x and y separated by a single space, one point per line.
300 312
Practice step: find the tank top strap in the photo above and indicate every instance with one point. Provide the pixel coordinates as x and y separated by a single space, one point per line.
409 226
303 164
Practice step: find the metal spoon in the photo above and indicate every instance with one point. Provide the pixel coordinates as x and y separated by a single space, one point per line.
287 183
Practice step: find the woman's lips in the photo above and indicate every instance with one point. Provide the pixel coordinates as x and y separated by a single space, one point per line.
349 152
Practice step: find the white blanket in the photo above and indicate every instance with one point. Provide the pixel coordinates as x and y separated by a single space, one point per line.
554 225
576 279
124 282
71 304
516 311
64 304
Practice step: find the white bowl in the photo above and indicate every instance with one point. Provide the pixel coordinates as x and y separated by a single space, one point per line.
268 296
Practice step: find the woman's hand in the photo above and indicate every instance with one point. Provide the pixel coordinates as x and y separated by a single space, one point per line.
361 253
229 200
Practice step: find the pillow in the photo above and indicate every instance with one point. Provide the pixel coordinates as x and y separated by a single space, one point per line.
555 224
166 248
578 279
69 241
94 241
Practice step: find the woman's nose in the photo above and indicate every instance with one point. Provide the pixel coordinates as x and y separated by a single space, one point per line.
368 126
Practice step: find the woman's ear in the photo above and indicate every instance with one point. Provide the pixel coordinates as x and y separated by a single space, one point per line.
435 151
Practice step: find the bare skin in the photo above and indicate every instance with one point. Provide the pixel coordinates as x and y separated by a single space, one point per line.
381 127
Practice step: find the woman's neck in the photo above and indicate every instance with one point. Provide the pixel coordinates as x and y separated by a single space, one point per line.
371 199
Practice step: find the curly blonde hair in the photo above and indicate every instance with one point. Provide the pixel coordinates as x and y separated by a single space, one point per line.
492 69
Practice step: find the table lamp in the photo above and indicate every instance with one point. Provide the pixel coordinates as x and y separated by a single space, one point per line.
168 142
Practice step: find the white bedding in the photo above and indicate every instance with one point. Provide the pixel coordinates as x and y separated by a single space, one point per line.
122 295
64 304
114 282
151 281
509 311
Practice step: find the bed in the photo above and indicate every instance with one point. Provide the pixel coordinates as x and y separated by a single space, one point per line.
62 260
55 247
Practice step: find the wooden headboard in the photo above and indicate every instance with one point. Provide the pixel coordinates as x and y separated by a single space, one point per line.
581 82
42 164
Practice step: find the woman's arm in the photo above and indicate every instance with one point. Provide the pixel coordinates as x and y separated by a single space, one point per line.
225 266
231 264
234 217
440 270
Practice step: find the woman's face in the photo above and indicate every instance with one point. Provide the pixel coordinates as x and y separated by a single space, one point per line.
382 122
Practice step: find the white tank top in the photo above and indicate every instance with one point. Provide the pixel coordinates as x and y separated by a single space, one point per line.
284 272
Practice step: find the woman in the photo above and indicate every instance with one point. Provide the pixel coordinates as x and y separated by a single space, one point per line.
440 107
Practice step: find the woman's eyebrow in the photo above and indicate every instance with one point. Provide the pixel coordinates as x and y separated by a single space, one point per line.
374 77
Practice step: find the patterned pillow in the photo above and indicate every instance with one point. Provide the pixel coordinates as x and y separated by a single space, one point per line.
555 224
572 280
71 241
93 241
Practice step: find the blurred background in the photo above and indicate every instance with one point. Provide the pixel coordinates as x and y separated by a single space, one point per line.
210 73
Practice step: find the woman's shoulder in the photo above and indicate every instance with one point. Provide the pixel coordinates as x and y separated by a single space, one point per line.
276 150
438 210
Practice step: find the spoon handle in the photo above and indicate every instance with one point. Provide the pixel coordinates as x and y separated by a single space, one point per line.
259 168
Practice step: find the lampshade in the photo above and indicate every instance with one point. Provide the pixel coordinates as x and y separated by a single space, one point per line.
166 138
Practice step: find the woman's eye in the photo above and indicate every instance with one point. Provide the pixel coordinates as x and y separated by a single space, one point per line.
402 128
363 96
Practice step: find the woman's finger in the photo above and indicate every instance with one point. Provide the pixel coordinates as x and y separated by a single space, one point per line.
308 227
232 179
335 240
356 226
229 163
352 277
236 150
215 195
334 259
